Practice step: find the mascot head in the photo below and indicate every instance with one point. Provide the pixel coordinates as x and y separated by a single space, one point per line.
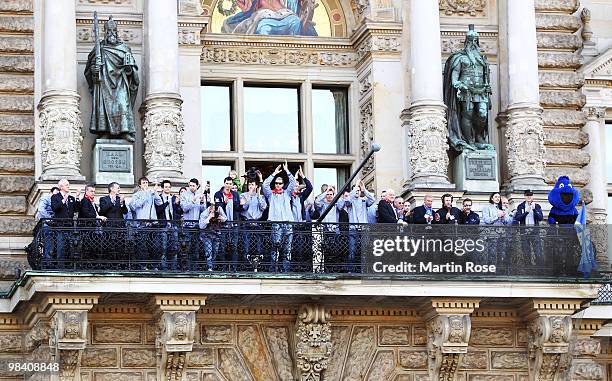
564 196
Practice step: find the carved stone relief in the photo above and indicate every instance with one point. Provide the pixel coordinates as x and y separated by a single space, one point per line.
549 346
366 131
471 8
278 342
313 342
525 142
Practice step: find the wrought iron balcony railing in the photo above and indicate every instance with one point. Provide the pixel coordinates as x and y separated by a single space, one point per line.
314 250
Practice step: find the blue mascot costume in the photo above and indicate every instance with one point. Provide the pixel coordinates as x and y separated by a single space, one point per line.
563 198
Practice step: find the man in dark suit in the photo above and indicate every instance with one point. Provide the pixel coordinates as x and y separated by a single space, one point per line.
387 214
64 206
170 210
113 206
529 213
424 214
92 229
230 203
447 214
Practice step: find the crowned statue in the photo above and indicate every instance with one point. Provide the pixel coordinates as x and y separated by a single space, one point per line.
112 76
467 95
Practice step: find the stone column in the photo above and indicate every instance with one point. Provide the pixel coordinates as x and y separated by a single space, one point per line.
524 133
425 119
448 334
163 121
59 116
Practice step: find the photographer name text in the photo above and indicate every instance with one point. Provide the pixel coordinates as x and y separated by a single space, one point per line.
429 267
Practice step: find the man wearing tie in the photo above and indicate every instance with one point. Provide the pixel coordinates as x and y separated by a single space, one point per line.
113 206
64 206
168 212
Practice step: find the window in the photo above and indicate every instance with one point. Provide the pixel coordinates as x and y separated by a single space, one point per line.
255 124
216 117
335 176
271 119
330 120
215 173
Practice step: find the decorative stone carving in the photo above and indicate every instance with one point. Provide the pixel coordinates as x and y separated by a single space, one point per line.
60 134
394 335
549 346
366 131
340 342
474 359
163 137
379 43
448 334
133 36
202 358
509 360
360 8
99 358
413 359
362 347
11 343
117 333
525 146
486 336
595 113
453 44
427 132
231 366
314 346
176 334
138 358
589 47
217 333
586 346
253 351
278 342
189 36
382 367
365 84
464 7
586 371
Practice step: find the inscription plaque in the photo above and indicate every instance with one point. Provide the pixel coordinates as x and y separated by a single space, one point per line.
114 160
480 168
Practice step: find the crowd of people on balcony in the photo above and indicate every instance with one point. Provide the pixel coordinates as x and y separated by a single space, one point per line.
283 199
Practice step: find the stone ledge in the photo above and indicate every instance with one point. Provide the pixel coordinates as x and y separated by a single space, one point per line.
19 24
565 137
567 156
565 6
17 103
558 118
16 44
545 21
562 60
560 79
17 143
15 184
17 164
17 225
13 204
17 6
552 40
562 98
16 123
579 176
16 83
17 64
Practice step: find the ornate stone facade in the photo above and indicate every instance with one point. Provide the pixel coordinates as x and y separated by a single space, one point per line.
314 346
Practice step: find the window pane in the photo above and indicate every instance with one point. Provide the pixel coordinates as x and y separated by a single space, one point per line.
216 118
271 119
215 174
329 176
329 120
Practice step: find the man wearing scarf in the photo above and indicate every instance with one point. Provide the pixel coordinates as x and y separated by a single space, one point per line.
229 201
280 214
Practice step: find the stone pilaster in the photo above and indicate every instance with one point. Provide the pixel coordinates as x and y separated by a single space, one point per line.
525 131
163 120
313 347
60 123
448 334
549 325
68 332
425 119
176 333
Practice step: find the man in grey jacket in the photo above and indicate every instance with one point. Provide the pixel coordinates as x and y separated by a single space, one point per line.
280 214
142 206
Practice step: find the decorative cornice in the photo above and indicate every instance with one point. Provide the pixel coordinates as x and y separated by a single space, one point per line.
179 302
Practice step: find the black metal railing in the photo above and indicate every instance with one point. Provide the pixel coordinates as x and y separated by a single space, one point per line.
307 249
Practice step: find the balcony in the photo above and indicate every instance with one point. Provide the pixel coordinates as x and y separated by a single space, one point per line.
310 251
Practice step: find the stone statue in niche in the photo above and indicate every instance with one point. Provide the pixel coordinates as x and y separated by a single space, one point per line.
467 95
112 76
